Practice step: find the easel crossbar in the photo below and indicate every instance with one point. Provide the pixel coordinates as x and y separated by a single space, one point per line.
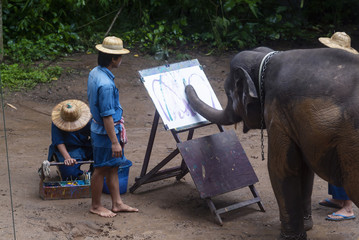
238 205
154 174
165 174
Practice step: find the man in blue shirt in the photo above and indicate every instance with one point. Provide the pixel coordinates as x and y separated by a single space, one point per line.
106 127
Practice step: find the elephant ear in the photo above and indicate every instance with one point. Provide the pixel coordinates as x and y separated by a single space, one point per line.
249 92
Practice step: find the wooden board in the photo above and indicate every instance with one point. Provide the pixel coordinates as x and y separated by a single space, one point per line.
217 164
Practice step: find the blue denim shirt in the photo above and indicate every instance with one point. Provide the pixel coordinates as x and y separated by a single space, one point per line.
103 99
78 143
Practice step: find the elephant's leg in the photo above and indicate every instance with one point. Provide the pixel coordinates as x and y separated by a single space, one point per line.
307 189
289 177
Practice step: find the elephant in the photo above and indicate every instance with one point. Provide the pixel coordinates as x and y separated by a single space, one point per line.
308 102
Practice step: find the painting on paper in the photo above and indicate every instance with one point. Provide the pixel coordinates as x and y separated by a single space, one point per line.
166 87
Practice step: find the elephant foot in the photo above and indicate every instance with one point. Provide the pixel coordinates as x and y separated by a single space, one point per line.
283 236
308 223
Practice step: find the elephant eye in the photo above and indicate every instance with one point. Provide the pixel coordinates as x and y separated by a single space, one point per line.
231 94
235 100
234 96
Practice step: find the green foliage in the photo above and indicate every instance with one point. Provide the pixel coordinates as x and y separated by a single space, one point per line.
157 37
36 30
47 48
16 77
42 29
189 23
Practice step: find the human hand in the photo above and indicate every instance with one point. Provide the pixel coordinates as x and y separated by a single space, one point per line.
70 162
116 150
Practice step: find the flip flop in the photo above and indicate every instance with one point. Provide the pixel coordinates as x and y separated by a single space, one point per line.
328 203
342 217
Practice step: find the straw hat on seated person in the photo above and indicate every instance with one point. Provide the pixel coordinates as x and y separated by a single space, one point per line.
339 40
71 115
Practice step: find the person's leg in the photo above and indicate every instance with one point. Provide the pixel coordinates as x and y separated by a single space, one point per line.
96 192
344 213
340 198
113 185
69 173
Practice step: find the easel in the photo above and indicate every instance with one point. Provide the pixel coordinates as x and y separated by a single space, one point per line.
156 174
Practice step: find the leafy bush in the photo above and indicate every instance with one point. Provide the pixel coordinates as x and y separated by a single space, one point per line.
48 47
16 77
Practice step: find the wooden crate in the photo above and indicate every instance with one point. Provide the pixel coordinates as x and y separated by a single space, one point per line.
52 190
52 187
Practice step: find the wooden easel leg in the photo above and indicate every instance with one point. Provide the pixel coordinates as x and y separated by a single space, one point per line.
148 152
255 194
150 144
220 127
184 170
183 163
214 211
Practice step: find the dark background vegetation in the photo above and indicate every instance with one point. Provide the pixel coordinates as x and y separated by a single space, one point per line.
37 32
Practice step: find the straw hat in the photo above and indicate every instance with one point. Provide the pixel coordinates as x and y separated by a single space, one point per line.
112 45
339 40
71 115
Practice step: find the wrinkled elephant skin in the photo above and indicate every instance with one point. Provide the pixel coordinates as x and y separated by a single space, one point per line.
311 113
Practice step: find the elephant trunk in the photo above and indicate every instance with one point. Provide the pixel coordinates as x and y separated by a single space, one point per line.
221 117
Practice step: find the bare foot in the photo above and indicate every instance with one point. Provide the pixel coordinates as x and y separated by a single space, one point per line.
341 215
123 208
344 213
103 212
332 203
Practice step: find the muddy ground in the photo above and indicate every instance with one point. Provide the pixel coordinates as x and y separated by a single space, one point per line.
169 209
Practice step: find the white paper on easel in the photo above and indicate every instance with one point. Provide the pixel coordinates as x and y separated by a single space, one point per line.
167 90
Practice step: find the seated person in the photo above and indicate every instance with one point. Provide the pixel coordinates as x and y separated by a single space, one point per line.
70 134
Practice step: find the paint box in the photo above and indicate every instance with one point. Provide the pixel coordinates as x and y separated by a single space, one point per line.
123 172
52 190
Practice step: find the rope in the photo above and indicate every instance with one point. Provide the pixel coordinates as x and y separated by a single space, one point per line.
7 159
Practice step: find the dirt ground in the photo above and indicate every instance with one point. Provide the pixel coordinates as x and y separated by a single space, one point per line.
169 209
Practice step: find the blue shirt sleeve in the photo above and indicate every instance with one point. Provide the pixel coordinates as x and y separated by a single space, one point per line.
106 100
57 136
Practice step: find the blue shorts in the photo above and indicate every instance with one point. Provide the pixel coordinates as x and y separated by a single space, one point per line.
102 151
